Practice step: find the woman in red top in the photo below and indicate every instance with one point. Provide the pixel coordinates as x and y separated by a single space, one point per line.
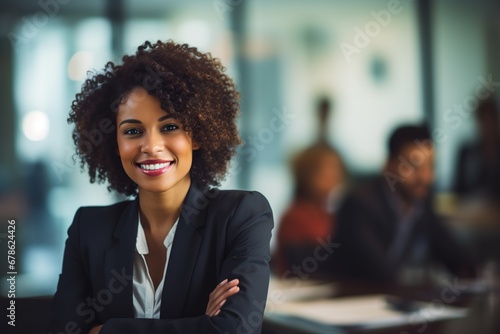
309 221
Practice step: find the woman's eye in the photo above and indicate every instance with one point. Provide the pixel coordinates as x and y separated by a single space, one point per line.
170 127
132 132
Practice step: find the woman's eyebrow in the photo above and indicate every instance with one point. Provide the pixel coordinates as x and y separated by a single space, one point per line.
134 121
162 118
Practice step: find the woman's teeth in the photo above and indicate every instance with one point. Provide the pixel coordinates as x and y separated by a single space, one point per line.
154 166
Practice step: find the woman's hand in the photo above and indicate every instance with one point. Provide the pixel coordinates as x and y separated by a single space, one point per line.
95 329
218 297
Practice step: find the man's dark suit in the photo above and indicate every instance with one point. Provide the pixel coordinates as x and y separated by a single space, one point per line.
220 234
367 227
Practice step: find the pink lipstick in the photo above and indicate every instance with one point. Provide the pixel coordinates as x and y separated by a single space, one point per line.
154 167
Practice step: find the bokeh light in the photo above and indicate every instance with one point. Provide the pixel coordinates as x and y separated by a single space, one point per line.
36 125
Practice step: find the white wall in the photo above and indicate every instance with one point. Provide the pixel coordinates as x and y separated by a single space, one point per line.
460 60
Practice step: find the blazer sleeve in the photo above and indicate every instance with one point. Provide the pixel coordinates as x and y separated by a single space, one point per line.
72 289
247 258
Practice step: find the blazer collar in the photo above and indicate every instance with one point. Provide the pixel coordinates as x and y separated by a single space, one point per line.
184 253
127 224
119 262
183 256
194 204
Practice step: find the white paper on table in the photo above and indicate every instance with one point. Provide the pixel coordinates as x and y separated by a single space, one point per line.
281 291
369 311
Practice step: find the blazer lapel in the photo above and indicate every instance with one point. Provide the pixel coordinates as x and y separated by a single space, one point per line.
119 263
184 253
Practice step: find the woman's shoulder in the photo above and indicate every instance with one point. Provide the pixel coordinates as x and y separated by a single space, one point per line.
236 198
235 211
224 204
96 224
104 216
111 209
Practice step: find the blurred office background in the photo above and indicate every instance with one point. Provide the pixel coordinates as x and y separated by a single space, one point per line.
418 63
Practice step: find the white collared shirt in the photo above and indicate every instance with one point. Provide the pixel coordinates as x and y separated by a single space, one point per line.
147 301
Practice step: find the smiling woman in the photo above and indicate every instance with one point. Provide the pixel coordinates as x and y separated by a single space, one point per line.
188 257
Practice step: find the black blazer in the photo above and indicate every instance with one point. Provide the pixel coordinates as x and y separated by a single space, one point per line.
367 225
220 234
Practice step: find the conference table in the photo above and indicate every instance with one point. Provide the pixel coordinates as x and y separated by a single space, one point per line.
453 306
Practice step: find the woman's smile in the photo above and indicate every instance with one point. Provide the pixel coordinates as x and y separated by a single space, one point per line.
155 167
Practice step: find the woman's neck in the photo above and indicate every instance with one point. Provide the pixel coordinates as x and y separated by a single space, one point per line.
159 211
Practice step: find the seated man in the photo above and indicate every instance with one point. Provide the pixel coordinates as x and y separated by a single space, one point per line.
388 225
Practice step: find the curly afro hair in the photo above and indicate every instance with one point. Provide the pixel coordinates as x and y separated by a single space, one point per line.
190 85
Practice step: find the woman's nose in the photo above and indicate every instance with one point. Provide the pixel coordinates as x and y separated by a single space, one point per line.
153 143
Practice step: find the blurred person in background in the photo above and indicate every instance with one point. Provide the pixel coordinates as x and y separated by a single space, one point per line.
478 171
387 228
309 222
39 220
324 112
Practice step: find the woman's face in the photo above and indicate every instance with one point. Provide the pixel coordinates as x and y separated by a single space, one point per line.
155 151
328 175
